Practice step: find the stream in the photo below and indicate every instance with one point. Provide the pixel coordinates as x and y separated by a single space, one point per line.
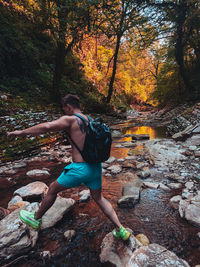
152 216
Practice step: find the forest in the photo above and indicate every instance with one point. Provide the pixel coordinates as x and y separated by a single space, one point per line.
119 52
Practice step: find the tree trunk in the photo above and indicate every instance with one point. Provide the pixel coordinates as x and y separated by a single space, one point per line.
59 67
110 90
179 46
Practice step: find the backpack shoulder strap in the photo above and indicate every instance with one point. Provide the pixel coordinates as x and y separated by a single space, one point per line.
81 117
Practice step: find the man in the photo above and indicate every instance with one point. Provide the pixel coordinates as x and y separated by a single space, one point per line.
77 172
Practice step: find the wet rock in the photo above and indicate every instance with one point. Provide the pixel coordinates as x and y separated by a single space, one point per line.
16 236
131 195
151 185
175 201
129 144
128 164
115 169
32 190
85 196
117 252
60 207
156 256
175 185
144 174
19 165
189 185
140 136
69 235
183 135
143 239
197 154
17 202
38 174
116 134
110 160
164 187
46 254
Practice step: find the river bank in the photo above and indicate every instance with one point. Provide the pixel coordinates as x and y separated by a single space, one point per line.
160 169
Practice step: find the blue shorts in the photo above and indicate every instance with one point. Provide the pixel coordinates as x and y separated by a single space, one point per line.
75 174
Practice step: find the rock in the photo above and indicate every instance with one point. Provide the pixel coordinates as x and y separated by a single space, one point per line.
143 239
182 207
115 169
175 201
155 255
17 202
127 201
189 185
60 207
116 252
192 214
175 185
116 134
144 174
164 187
38 174
85 196
128 164
16 236
128 144
140 136
69 235
19 165
151 185
197 154
32 190
131 195
110 160
183 135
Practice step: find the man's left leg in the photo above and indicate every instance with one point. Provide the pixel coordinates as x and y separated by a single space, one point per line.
49 199
34 219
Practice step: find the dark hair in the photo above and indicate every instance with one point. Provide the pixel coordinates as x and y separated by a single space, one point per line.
72 100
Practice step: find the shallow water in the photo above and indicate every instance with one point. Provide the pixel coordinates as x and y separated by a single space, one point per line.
152 216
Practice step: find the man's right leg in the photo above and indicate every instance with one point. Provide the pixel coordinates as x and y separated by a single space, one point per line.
120 232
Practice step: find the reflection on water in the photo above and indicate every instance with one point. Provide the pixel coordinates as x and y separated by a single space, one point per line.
153 132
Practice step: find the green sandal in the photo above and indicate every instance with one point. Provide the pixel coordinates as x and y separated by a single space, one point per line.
28 218
123 233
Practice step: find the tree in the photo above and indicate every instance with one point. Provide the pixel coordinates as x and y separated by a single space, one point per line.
117 18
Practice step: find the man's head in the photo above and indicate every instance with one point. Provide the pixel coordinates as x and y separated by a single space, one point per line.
70 103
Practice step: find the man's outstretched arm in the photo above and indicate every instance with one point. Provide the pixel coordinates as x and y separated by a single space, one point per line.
54 126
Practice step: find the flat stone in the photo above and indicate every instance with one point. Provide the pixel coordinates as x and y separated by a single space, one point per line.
38 174
60 207
35 189
175 185
69 235
151 185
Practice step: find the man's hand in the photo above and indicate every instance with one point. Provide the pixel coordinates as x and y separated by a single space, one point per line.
15 133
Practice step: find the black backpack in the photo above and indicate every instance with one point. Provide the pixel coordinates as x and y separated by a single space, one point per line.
98 140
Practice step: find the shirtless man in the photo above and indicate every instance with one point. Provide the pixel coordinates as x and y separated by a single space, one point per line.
74 174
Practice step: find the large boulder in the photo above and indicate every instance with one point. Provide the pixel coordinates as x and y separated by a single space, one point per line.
155 255
38 174
16 238
116 251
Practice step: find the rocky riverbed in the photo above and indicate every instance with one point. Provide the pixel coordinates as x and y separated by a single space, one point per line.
163 166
